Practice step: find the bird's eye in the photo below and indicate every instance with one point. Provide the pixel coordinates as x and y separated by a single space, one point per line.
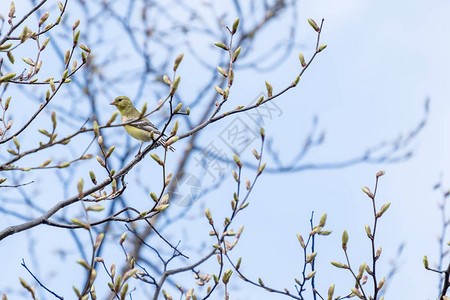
120 99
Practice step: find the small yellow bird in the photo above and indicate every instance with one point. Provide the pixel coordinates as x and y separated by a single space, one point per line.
140 130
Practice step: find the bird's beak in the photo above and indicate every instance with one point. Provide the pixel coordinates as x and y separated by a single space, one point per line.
113 103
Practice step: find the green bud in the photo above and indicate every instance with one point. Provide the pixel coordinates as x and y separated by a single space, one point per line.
154 197
12 10
114 185
175 128
164 199
43 18
38 67
302 59
80 188
330 292
175 85
222 71
222 46
65 74
66 57
261 283
323 219
339 265
235 26
16 142
235 176
230 77
79 223
161 207
5 46
383 209
143 110
52 85
236 54
208 215
45 132
96 128
313 25
84 48
157 159
321 47
11 151
48 27
219 90
269 89
100 140
75 25
178 61
226 276
92 175
83 57
45 163
64 165
325 232
7 77
95 207
113 118
260 100
255 153
310 258
76 37
177 109
10 57
123 237
53 116
425 262
311 275
357 293
100 161
300 239
167 80
24 34
381 283
366 190
261 169
238 264
368 231
171 141
344 240
166 295
237 160
8 100
110 151
45 43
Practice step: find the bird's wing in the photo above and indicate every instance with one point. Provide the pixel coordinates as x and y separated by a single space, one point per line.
146 125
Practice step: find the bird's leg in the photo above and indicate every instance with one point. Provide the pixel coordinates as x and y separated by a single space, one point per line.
139 152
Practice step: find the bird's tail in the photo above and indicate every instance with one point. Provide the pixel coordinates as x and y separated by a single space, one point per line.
162 141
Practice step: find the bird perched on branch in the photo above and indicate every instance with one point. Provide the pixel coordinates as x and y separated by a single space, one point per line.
142 130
